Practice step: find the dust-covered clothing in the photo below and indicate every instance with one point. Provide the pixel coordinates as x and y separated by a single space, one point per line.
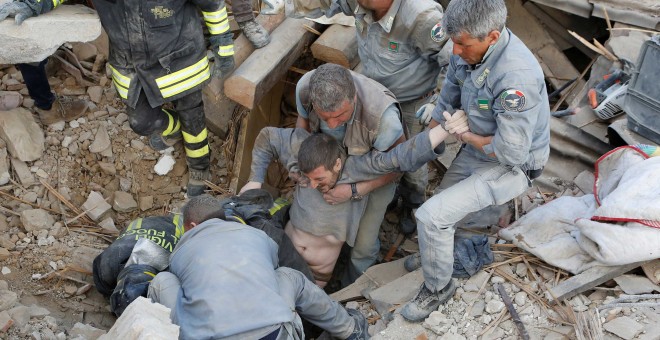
504 97
309 211
224 283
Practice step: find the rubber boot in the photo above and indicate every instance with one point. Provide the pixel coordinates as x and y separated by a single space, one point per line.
255 33
159 142
196 182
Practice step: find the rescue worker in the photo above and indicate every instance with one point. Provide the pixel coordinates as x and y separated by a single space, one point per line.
497 82
157 56
319 163
223 282
401 45
362 115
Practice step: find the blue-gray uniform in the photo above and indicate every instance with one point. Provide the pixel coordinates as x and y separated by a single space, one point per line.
504 97
224 283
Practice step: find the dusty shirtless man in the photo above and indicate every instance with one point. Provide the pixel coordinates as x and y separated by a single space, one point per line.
318 163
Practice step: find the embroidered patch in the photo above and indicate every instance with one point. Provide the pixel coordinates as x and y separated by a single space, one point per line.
161 12
393 46
512 100
437 33
483 104
483 76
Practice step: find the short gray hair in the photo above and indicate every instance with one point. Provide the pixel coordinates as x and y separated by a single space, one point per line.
474 17
329 86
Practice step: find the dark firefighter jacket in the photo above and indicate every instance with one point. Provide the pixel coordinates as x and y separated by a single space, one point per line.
157 45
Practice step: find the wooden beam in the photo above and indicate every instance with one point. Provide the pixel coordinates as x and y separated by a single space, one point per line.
266 66
588 279
337 45
267 113
217 107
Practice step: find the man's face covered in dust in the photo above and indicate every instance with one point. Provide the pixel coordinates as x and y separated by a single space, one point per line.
324 179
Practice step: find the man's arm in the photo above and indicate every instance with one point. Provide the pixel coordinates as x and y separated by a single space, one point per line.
23 9
317 8
274 143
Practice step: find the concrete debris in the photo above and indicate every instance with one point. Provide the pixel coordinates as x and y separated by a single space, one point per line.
7 299
4 167
96 206
83 257
23 173
475 282
146 203
39 37
123 202
5 321
24 137
86 332
396 292
95 93
4 254
108 168
143 319
101 141
20 315
585 181
635 284
494 306
10 100
36 219
109 225
624 327
84 51
164 165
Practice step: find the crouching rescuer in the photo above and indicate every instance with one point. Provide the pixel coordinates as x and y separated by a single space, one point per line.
158 56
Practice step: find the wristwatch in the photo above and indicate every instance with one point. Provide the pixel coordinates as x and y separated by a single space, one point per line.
354 193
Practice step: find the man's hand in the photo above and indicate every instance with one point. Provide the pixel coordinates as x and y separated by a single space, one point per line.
456 123
339 194
249 186
223 66
424 114
19 10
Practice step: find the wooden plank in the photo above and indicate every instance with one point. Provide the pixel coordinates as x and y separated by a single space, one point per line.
267 113
588 279
266 66
556 66
217 107
337 45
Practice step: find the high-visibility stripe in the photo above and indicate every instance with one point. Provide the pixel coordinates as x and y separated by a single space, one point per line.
197 153
219 28
57 2
226 51
188 138
238 219
216 16
150 274
120 90
172 126
187 84
278 204
182 74
120 78
178 219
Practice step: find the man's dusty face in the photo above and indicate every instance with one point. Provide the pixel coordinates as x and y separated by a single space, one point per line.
340 116
324 179
471 49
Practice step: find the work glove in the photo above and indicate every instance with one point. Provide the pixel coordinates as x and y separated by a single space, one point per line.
425 114
456 123
19 10
223 65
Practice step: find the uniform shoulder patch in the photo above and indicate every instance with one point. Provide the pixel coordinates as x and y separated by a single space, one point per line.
437 33
512 100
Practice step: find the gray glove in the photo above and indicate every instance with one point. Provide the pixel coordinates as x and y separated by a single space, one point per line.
19 10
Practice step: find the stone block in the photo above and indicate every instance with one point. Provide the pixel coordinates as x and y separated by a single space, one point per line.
7 299
22 172
96 206
10 100
86 331
24 137
36 219
396 292
635 284
624 327
143 319
39 37
5 321
4 167
123 202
